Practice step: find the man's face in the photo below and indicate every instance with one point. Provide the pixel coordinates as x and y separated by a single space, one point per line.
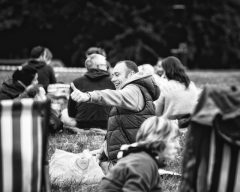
119 74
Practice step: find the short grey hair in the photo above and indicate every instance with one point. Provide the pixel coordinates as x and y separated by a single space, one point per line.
94 60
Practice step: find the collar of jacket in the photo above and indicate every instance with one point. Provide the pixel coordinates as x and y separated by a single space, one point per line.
149 148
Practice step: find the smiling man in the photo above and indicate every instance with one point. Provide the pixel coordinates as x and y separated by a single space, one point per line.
131 103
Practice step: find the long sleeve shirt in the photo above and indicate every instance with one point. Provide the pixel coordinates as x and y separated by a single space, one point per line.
130 97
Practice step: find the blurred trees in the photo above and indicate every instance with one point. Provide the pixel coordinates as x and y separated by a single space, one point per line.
202 33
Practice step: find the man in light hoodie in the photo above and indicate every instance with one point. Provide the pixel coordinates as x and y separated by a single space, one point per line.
131 103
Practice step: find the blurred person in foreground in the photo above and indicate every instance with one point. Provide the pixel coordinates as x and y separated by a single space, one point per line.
132 103
137 168
90 115
23 84
40 58
178 95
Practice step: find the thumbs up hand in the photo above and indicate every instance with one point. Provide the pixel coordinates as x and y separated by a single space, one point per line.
78 95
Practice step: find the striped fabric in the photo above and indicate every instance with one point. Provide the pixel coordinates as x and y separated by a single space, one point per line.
218 167
211 161
23 137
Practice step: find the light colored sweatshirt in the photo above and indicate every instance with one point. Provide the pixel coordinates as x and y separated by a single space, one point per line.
130 97
175 98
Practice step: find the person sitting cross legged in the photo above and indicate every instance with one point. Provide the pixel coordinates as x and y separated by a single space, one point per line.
132 103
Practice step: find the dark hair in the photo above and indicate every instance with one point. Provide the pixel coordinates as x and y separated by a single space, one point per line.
175 70
37 51
132 66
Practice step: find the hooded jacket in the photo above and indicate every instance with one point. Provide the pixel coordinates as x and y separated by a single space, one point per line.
90 115
46 74
123 124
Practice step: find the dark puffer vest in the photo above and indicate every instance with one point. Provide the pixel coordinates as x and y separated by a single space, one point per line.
123 124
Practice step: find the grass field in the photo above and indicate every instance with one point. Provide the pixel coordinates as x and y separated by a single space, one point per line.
76 143
200 77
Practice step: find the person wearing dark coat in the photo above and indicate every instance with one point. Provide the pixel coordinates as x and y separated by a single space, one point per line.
22 84
90 115
40 56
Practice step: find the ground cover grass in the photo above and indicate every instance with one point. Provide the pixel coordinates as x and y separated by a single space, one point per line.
76 143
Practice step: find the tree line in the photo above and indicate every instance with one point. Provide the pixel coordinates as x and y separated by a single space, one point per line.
202 33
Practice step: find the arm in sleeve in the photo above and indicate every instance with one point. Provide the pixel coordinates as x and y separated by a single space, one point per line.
130 98
159 105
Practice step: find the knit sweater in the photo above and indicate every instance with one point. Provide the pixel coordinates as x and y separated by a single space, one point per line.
175 98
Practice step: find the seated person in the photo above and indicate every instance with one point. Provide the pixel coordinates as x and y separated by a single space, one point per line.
23 84
40 59
137 168
90 115
178 95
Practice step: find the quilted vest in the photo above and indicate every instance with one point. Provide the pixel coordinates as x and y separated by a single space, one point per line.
123 124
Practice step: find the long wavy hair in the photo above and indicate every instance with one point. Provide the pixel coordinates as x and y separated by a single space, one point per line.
162 134
175 70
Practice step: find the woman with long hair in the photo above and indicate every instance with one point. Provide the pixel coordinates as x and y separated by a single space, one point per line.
178 95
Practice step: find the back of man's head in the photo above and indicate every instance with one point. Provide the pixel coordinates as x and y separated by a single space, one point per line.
37 51
96 61
130 65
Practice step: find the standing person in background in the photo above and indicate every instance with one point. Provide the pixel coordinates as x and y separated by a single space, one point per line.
178 95
40 57
137 169
90 115
131 103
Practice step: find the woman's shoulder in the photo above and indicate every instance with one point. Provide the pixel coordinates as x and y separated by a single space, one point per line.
139 158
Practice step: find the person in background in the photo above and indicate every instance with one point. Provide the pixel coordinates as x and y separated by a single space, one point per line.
40 57
146 68
100 51
90 115
178 95
158 67
131 103
95 50
137 168
23 84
